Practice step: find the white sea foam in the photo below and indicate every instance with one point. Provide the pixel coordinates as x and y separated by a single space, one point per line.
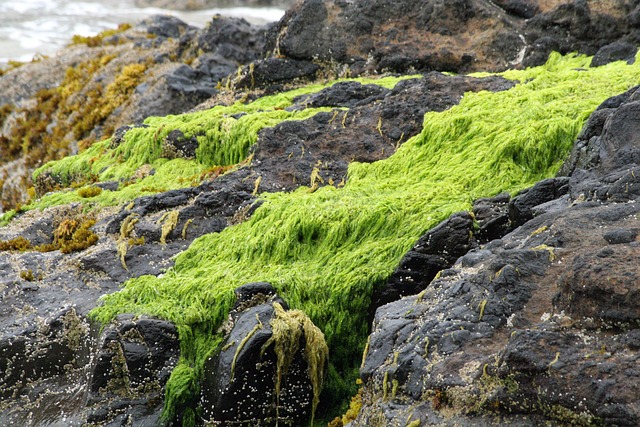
31 27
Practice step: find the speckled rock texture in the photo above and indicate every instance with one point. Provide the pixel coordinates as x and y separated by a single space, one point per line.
209 4
539 326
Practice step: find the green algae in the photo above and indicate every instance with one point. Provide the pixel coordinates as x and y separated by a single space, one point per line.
326 251
224 133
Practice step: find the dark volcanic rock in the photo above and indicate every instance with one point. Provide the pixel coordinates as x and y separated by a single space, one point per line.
492 216
354 37
210 4
398 36
536 327
134 360
165 26
576 26
249 380
49 351
272 71
521 206
345 94
231 38
520 8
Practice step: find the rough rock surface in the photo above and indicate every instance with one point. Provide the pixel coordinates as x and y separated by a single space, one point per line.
537 327
463 35
208 4
133 361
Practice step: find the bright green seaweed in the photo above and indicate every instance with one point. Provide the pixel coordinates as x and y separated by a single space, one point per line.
326 251
224 134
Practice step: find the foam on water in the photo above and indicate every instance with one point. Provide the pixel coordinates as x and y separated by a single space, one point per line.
31 27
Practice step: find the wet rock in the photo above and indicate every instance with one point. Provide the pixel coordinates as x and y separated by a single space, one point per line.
264 371
286 155
492 216
451 350
152 258
52 349
227 199
593 292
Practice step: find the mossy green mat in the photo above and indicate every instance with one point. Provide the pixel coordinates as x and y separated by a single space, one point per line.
325 251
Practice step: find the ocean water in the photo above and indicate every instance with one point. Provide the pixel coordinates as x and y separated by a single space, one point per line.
42 27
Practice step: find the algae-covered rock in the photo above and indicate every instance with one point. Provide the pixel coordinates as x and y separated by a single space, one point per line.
324 192
532 328
62 104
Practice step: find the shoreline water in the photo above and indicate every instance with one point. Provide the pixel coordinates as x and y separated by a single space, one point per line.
43 27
